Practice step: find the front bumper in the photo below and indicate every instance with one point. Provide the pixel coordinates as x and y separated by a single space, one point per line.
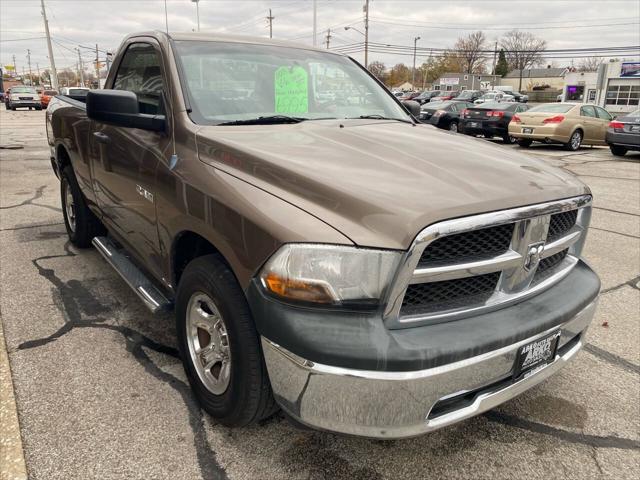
400 404
25 103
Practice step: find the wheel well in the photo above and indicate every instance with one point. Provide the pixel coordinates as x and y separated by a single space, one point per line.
579 129
62 158
188 246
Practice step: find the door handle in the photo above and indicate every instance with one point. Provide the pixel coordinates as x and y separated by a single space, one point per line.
101 137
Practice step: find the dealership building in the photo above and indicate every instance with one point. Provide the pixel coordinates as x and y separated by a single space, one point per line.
615 86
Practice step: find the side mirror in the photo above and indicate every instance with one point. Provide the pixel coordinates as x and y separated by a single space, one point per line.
120 108
413 107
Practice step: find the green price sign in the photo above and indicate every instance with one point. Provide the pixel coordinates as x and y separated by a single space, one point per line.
292 92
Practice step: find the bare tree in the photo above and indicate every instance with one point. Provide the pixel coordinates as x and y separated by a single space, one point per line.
378 69
589 64
469 50
523 50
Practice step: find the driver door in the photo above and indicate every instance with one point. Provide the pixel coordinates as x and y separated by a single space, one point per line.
125 159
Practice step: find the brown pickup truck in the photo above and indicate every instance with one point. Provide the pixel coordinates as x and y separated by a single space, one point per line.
323 251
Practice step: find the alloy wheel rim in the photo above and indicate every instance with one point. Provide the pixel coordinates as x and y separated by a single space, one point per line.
453 127
70 208
575 140
208 342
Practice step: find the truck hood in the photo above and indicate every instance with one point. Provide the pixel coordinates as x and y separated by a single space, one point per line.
381 182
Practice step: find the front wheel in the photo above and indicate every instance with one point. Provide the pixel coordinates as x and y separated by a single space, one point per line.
219 345
453 127
81 224
617 150
574 141
524 142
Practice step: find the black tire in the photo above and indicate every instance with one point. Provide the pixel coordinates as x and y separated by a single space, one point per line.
84 225
617 150
248 397
508 139
524 142
13 108
39 108
453 127
575 141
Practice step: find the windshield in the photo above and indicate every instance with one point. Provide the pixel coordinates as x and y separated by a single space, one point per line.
495 106
229 82
23 90
552 108
467 94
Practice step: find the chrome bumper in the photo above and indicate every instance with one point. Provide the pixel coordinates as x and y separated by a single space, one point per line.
389 405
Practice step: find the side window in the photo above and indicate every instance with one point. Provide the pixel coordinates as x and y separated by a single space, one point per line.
140 73
603 114
453 107
588 111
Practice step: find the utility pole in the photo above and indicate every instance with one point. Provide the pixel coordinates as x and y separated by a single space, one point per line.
108 60
97 67
80 68
15 67
415 48
166 17
29 63
38 69
270 20
495 56
54 73
315 22
366 34
328 37
197 2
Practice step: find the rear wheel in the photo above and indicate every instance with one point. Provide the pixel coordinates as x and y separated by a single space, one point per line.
618 150
524 142
219 344
508 139
81 224
574 141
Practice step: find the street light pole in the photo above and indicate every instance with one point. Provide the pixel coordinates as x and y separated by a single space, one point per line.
366 34
197 2
166 17
54 72
415 47
29 63
315 22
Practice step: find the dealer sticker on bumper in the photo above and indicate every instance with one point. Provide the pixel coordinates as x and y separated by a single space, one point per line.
535 355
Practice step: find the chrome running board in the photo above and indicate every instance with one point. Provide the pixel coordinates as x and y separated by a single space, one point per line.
138 281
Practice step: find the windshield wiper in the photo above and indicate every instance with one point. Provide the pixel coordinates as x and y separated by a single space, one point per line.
266 120
376 116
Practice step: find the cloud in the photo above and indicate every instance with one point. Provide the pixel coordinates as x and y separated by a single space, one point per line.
106 22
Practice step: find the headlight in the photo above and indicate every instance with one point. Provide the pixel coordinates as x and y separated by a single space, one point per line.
329 274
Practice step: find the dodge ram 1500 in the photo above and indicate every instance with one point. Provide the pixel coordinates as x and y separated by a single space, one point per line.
323 251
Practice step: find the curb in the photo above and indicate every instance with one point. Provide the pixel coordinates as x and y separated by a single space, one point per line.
12 464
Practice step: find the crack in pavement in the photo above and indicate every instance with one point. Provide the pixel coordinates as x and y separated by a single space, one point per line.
617 211
596 441
31 226
38 194
612 358
613 231
633 283
76 302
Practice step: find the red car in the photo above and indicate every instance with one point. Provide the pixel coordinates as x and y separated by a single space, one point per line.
46 96
446 96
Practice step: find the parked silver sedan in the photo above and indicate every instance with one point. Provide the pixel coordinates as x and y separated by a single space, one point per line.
623 133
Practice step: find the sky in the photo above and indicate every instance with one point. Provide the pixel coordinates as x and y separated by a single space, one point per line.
73 23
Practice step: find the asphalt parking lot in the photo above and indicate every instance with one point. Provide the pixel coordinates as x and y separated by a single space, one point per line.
100 392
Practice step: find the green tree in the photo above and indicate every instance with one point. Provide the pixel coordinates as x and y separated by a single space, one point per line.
502 67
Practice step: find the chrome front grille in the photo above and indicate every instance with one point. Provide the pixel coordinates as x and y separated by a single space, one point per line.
487 242
459 267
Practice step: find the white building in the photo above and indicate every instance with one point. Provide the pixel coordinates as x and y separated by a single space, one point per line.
580 87
618 86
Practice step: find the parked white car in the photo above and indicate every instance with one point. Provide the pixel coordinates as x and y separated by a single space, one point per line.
495 96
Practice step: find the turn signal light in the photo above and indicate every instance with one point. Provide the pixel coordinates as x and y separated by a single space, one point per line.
616 125
297 289
516 119
556 119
